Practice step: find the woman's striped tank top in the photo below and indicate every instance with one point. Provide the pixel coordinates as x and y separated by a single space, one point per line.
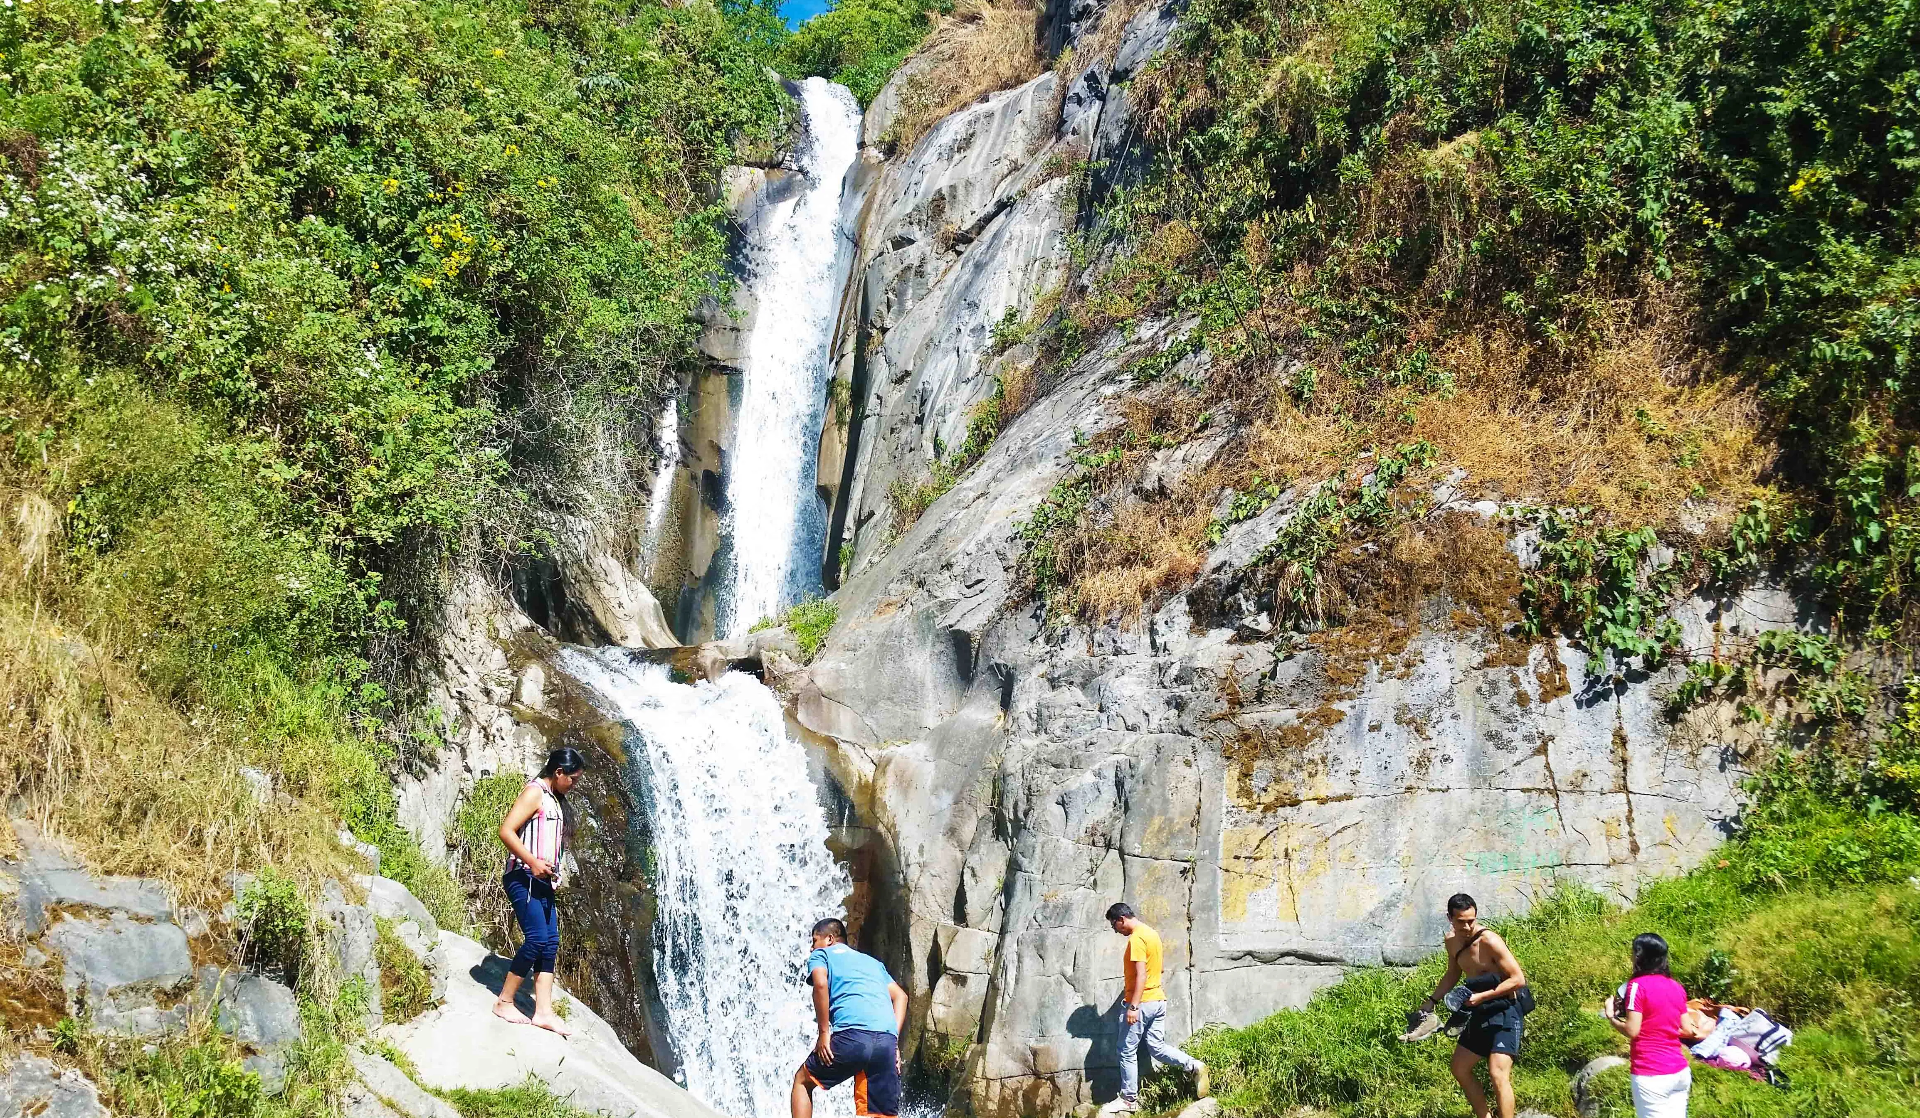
543 834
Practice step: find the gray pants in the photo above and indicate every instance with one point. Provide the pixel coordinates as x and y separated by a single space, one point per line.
1152 1027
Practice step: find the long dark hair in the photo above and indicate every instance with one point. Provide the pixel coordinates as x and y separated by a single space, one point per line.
1650 955
565 759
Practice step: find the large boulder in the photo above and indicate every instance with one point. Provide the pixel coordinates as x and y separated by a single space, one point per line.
33 1086
126 975
462 1044
349 935
261 1014
385 1087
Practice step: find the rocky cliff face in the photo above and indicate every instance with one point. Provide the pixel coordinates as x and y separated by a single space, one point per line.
1282 807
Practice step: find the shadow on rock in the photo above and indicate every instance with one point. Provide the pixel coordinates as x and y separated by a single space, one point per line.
491 972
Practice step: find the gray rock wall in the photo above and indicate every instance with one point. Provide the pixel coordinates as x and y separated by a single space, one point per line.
1023 778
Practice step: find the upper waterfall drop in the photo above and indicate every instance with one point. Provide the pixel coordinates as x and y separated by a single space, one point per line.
775 527
740 869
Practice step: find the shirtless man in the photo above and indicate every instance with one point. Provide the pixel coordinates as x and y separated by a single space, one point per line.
1493 1030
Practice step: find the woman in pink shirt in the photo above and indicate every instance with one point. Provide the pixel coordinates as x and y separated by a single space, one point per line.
1647 1011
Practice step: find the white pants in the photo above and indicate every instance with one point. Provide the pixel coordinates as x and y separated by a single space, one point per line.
1662 1096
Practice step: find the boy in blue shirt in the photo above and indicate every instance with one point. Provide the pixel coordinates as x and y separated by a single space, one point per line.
861 1010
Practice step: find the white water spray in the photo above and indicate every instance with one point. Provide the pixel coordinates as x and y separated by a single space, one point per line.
741 872
775 525
661 495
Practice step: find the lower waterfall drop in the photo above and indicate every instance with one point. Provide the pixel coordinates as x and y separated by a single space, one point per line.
740 869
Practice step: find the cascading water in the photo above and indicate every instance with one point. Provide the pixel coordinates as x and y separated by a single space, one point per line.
740 869
661 495
776 529
740 866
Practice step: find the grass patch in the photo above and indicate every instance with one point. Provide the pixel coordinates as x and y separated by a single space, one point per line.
977 48
531 1099
1830 948
197 1072
809 622
406 989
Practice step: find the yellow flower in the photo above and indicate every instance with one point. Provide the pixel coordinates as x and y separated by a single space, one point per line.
425 281
498 53
391 186
513 149
1799 185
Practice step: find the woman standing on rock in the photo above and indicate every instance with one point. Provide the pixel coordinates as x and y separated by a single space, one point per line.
534 833
1648 1011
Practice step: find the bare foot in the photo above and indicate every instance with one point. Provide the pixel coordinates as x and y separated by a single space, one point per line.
506 1011
552 1023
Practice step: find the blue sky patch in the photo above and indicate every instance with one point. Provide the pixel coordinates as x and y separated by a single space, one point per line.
797 12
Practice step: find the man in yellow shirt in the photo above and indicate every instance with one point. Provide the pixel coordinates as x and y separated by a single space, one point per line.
1143 1013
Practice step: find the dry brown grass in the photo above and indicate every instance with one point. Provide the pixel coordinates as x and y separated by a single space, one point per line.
982 47
1634 428
1631 431
125 781
1129 553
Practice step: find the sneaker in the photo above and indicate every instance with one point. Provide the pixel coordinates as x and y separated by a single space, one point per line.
1202 1084
1423 1026
1121 1106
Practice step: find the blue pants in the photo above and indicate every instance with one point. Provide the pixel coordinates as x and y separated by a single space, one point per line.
1151 1029
533 907
869 1059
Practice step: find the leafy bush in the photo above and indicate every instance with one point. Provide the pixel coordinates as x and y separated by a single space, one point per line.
858 43
274 923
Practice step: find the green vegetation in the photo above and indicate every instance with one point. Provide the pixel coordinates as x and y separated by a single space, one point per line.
406 990
478 856
1044 533
273 919
532 1099
302 302
1808 913
1614 257
910 500
288 294
858 43
809 622
1323 519
197 1073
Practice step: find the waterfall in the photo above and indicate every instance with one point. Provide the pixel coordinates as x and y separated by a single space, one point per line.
661 494
740 869
775 527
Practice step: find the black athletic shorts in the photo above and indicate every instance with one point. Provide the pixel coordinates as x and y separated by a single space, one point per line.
867 1058
1495 1031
